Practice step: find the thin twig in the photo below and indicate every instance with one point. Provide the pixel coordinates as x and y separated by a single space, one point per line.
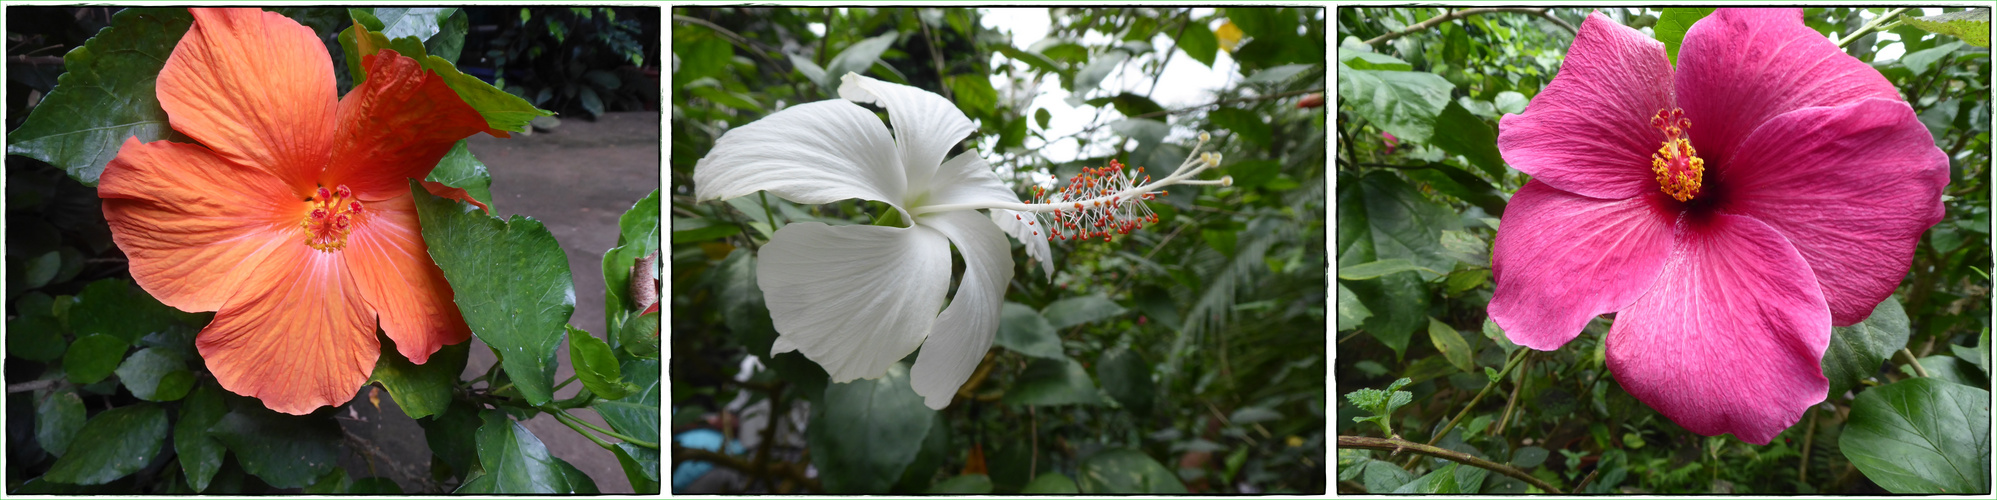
1916 362
1511 403
738 39
790 472
1517 356
36 385
1399 445
1452 16
1809 435
1869 26
1578 487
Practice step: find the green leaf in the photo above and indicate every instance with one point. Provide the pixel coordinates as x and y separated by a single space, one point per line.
92 358
511 281
200 453
1971 25
34 333
1672 25
591 103
421 390
1091 76
1510 102
637 237
1132 105
1856 351
1378 268
1126 377
1050 483
58 417
1381 403
1080 310
1358 59
1245 124
518 463
1380 216
596 365
449 41
1403 103
1919 61
1921 436
636 415
641 467
460 170
502 110
974 93
1979 356
1451 344
1148 133
1462 185
453 436
703 56
1198 42
1459 132
1041 116
1528 457
1453 479
119 309
421 23
640 336
857 58
1124 471
1948 368
867 431
155 374
105 95
1024 331
968 484
1053 382
114 444
1351 312
283 450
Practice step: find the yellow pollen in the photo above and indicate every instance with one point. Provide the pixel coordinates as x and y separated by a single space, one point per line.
334 213
1679 168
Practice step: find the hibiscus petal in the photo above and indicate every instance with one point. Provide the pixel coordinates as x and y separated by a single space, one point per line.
964 331
968 179
812 153
1732 336
1029 235
257 88
395 127
194 224
1562 259
854 299
1852 187
391 265
926 126
1741 67
1589 131
297 336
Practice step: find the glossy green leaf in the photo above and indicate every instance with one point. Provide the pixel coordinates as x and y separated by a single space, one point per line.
1378 268
35 333
1453 479
1403 103
1073 311
1451 344
1351 312
421 390
857 58
1025 331
1921 436
105 95
511 281
596 365
636 415
1856 351
92 358
1919 61
968 484
868 431
113 444
1971 25
1245 124
1124 471
641 467
640 335
1672 25
285 451
1126 377
973 92
119 309
1359 59
1199 43
1380 216
200 453
449 42
502 111
1979 356
1949 368
518 463
1049 483
453 436
58 418
460 170
155 374
637 237
1461 133
1509 102
1053 382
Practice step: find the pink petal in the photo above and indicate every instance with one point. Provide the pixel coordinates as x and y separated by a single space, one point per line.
1741 67
1561 259
1731 337
1852 187
1589 132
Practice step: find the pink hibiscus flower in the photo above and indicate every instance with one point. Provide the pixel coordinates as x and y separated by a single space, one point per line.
1730 212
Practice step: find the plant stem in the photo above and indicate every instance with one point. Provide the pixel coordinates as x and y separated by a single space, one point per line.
1517 356
1452 16
1510 403
789 471
1869 26
1398 445
1809 435
566 417
1918 369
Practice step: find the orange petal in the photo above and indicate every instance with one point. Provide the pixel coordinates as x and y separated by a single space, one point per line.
440 189
296 336
257 88
191 223
392 266
395 127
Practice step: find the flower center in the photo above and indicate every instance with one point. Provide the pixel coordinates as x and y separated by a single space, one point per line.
1093 216
1679 168
334 214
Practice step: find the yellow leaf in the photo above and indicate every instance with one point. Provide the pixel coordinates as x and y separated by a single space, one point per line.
1229 35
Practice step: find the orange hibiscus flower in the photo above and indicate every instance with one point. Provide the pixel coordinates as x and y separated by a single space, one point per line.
292 218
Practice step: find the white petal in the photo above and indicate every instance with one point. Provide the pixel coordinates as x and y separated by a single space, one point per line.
1015 224
926 125
781 345
964 331
854 299
968 179
813 153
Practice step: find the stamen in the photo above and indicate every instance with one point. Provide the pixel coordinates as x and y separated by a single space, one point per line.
1680 171
334 214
